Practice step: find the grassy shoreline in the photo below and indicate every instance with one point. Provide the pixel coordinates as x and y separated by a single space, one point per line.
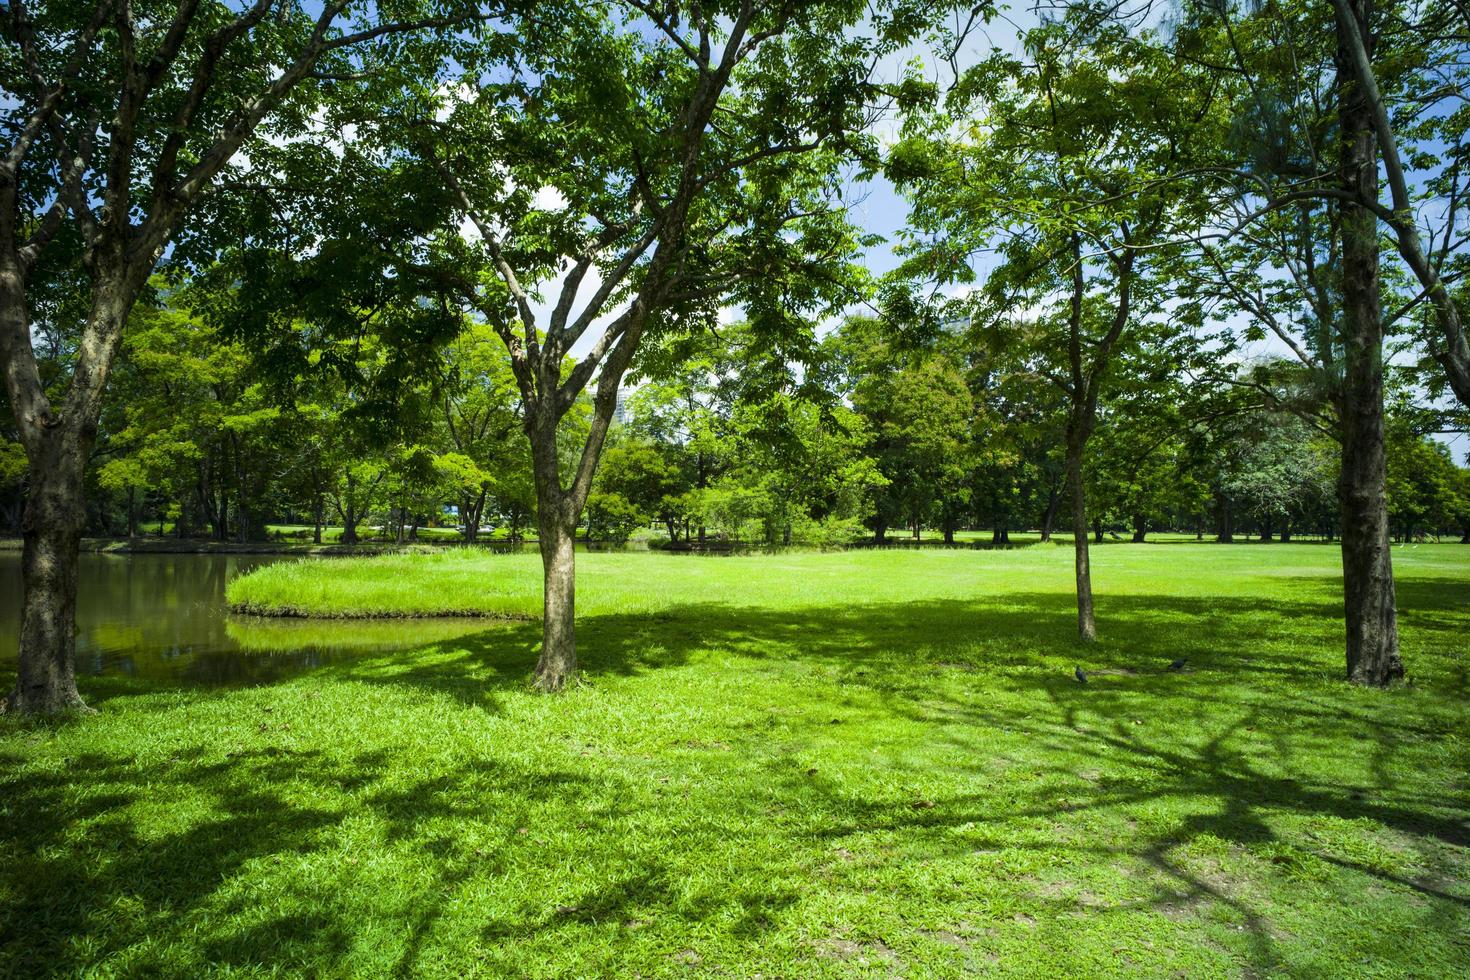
830 766
281 539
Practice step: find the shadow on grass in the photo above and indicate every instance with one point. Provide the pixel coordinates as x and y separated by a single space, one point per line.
1229 743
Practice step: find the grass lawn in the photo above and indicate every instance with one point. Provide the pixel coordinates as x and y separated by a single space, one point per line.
861 764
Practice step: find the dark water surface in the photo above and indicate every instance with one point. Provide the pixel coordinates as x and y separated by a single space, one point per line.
163 618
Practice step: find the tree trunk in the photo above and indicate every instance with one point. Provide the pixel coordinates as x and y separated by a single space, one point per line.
1049 516
223 508
470 511
244 522
317 514
244 518
46 681
1367 566
1140 530
132 512
204 492
1226 534
558 661
1086 621
57 446
347 510
349 524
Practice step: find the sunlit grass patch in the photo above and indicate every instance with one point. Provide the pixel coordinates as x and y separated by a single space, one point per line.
858 764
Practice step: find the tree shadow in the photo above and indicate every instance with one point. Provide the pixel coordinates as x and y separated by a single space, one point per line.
1231 747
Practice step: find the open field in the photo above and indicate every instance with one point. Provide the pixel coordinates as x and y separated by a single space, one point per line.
868 763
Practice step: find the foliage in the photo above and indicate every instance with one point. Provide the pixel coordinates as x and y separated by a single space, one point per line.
393 785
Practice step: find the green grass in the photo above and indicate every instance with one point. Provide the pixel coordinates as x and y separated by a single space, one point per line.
812 765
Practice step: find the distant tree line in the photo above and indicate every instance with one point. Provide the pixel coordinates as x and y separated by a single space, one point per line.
350 262
880 439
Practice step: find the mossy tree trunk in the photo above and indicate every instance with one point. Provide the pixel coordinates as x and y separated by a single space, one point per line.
46 680
57 442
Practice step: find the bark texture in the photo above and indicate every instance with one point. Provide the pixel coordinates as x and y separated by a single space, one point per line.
46 681
57 444
558 661
1369 110
1049 516
1367 564
1086 620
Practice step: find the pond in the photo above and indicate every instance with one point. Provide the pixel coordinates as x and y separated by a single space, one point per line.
163 618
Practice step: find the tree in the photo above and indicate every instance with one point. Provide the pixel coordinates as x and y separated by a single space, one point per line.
1434 42
1300 256
692 387
808 464
636 482
642 163
1372 623
918 409
1425 487
481 419
1277 474
1061 170
12 480
120 120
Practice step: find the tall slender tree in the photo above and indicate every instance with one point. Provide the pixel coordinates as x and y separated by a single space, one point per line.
1296 251
1054 157
640 165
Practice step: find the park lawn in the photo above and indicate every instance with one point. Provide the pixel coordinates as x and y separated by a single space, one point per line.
802 765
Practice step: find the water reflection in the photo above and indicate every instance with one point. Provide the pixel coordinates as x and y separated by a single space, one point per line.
163 618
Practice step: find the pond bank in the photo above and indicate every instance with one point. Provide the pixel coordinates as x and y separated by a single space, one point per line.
203 546
838 765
